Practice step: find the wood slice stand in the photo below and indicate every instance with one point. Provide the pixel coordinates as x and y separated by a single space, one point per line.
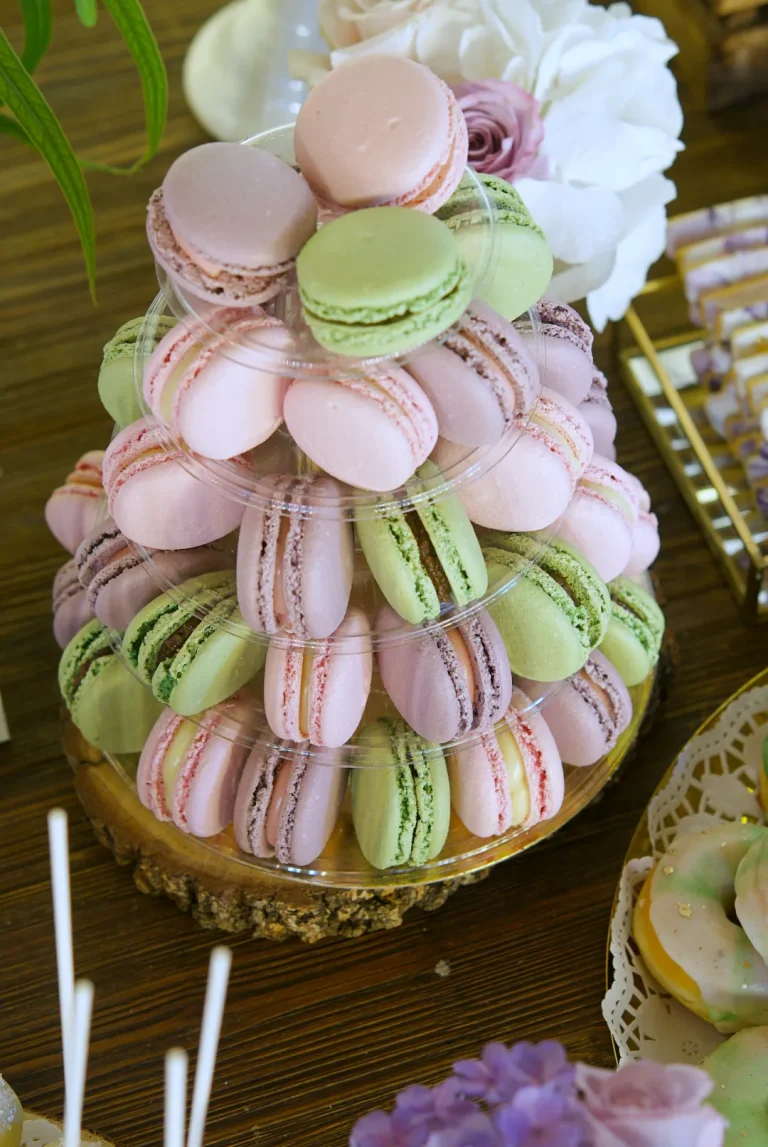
221 893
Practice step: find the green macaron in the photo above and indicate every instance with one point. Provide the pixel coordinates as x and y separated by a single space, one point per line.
521 261
110 706
192 646
554 613
117 385
426 557
381 281
401 798
633 640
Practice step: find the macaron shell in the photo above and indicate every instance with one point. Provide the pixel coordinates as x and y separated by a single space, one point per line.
155 501
467 409
71 610
113 710
522 266
117 391
628 654
541 759
433 802
633 640
238 206
480 787
336 422
601 517
72 512
252 801
584 726
528 489
205 791
455 542
314 814
391 550
340 682
325 563
202 675
149 775
602 422
121 598
384 809
405 135
646 544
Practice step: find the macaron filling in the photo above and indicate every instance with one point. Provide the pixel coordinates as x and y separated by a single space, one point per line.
517 804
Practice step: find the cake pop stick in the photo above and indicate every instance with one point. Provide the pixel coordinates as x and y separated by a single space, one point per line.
58 847
75 1072
175 1097
213 1010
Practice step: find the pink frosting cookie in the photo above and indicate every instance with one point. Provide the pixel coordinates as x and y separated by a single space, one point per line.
73 509
588 713
371 431
155 501
220 406
319 694
479 378
601 518
294 572
382 131
533 484
228 223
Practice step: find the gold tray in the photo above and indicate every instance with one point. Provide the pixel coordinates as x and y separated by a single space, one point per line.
640 844
662 383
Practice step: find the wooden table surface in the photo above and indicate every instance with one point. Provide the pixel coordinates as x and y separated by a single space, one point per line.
313 1036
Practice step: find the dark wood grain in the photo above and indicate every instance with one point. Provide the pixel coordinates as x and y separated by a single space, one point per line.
312 1036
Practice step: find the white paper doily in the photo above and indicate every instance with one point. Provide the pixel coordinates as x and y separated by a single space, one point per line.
713 781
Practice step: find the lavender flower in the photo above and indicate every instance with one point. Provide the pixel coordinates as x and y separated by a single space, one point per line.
541 1116
501 1071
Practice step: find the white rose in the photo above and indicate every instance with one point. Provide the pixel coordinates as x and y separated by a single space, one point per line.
346 22
609 106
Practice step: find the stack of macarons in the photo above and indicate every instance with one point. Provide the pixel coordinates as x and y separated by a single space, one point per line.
437 611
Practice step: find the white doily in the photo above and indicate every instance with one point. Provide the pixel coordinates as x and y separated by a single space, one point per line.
714 780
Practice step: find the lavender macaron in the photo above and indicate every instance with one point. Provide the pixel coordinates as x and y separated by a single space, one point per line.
446 683
588 713
71 608
563 350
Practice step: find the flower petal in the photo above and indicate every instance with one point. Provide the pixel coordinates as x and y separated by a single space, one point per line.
579 222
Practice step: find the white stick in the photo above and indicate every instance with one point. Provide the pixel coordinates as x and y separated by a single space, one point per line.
80 1032
175 1097
58 846
215 995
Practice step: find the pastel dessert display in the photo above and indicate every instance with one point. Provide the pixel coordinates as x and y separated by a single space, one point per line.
739 1070
75 508
522 261
382 131
110 706
117 384
349 574
687 925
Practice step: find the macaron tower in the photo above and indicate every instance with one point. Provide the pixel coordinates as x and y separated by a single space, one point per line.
354 536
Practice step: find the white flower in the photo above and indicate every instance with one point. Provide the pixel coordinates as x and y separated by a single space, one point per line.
608 102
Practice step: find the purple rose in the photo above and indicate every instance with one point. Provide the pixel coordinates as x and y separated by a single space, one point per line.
505 129
647 1104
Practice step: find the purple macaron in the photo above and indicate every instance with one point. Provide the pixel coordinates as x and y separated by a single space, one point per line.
447 682
120 581
563 350
71 608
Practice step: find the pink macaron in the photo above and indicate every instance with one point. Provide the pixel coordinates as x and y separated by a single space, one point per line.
588 713
319 694
532 485
511 777
479 378
371 431
446 683
120 581
288 804
189 771
220 405
295 570
600 520
563 349
598 413
74 509
381 131
155 501
646 542
228 223
71 608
